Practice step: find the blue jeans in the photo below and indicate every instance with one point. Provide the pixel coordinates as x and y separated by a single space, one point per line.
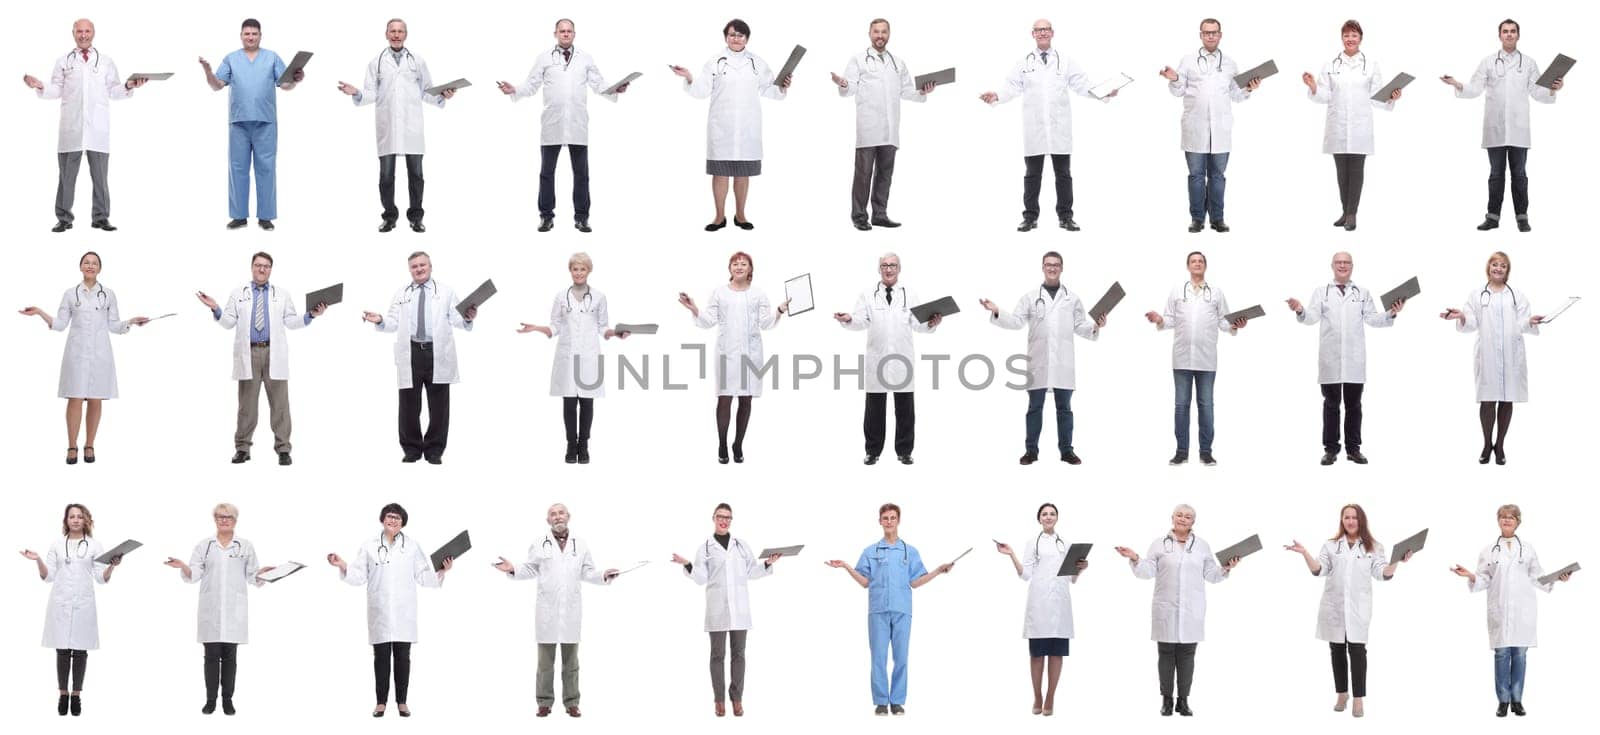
253 143
1206 184
1035 419
1510 665
885 631
1196 383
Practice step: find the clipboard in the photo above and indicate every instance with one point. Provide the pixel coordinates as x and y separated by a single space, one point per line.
1108 302
1411 545
1241 550
1260 72
1103 90
1570 301
457 84
452 550
121 549
939 78
636 328
476 298
611 90
944 307
155 76
788 66
1403 291
281 571
1075 554
781 551
297 64
1553 576
331 295
797 291
1253 312
1557 69
1399 82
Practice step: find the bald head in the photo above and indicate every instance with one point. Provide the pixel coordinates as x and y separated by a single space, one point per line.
1343 266
83 33
1043 32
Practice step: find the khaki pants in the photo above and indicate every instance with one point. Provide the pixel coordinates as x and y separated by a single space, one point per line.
250 404
544 685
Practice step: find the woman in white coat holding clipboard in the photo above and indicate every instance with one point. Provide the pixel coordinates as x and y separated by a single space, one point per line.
71 626
724 565
1509 571
223 565
1346 85
740 312
1500 315
391 567
1348 562
1047 622
578 321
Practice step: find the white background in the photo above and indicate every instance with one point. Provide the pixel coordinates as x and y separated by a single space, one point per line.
650 490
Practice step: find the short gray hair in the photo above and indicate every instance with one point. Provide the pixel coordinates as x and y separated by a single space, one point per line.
1185 507
227 508
581 257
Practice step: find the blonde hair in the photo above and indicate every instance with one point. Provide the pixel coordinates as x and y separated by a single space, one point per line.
1509 509
581 257
227 509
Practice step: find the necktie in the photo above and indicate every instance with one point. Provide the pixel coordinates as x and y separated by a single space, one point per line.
1341 289
566 54
260 316
888 296
1044 57
422 313
85 54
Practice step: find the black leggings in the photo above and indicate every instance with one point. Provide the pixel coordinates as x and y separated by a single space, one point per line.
578 415
1351 169
1355 673
381 653
221 667
724 406
1490 415
1175 661
73 661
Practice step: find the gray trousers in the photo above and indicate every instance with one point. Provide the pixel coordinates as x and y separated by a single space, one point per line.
719 651
67 184
874 169
544 684
250 403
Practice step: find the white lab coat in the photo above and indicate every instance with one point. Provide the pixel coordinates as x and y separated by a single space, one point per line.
223 572
739 317
1178 605
1345 613
1500 364
236 315
1510 575
1205 82
889 327
391 574
1051 322
1046 107
86 89
70 620
87 368
1342 339
735 83
398 89
558 605
443 319
565 118
1509 80
1049 612
579 326
1346 86
726 575
1196 316
879 82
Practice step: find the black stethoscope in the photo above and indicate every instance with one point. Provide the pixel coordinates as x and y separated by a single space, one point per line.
1344 541
383 547
722 64
879 289
1484 295
413 288
1201 60
1340 61
99 293
1519 546
1033 61
1042 299
249 292
571 548
1061 546
564 59
1168 543
83 547
1205 292
737 547
586 299
1500 64
95 66
405 55
1352 291
871 57
905 553
234 549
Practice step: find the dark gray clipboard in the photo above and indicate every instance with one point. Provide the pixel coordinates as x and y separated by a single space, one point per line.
121 549
939 78
477 297
331 295
1260 72
789 66
301 58
1398 82
1248 313
944 307
452 550
1108 302
1406 290
1557 70
1412 544
1075 554
1240 550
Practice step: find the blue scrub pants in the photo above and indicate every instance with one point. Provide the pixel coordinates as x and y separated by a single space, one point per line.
885 631
253 142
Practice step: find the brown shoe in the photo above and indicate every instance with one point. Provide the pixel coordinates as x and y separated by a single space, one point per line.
573 712
721 711
738 709
543 712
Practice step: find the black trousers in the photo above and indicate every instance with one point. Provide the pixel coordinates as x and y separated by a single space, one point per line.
577 415
874 170
1518 158
412 441
1353 674
70 661
1351 169
381 654
548 155
1332 395
876 423
413 184
221 667
1033 179
1175 661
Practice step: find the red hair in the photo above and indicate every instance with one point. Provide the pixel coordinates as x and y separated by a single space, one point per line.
747 259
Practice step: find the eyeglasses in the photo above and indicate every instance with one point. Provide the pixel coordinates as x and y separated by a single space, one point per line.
722 518
888 266
736 34
1211 33
1046 29
392 516
221 518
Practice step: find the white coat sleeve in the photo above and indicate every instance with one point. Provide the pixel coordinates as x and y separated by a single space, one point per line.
116 90
768 85
1485 575
114 322
1013 86
1082 325
766 316
1375 316
1311 310
368 94
1535 92
701 87
711 315
64 311
597 83
452 314
252 564
58 80
1525 314
52 562
95 550
1536 570
602 317
1177 87
1235 92
1380 559
197 563
230 312
558 315
1030 563
852 78
357 574
529 569
757 568
530 86
1211 570
1324 562
697 570
861 315
1324 93
291 315
1480 78
587 571
916 326
1469 310
1222 313
424 82
424 572
1016 318
1169 314
1077 80
908 86
391 320
1375 84
1146 567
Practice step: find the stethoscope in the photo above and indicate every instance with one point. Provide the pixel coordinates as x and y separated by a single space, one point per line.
572 548
1484 295
905 552
1032 61
383 547
405 55
94 67
1205 292
722 64
235 549
83 547
1339 62
879 289
586 299
1061 546
99 294
1345 541
1352 291
248 293
1201 60
1500 64
871 57
412 289
1042 299
1168 543
564 60
1519 546
738 548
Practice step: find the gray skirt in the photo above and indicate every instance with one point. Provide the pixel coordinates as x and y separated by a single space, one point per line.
733 168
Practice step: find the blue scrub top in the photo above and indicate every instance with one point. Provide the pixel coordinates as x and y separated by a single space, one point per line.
889 569
252 85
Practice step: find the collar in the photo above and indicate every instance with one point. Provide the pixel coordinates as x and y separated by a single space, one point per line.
1501 54
422 286
1347 284
739 55
1204 52
880 54
98 287
898 542
1360 57
1196 288
263 287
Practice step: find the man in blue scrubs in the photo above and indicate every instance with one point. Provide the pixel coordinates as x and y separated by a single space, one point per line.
251 76
890 569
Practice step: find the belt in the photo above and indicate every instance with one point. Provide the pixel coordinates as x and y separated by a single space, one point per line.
260 344
424 346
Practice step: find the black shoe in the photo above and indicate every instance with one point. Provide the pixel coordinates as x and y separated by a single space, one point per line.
1516 709
897 710
1349 223
1182 707
378 712
75 705
72 455
88 455
284 460
572 452
870 460
1522 226
582 225
1500 711
1356 456
1329 458
265 224
410 458
881 710
905 459
1028 458
61 227
1196 225
211 706
1166 706
227 704
405 712
434 459
583 451
61 707
240 457
862 226
1209 461
714 226
1340 222
1070 458
722 454
418 227
1500 458
885 222
1489 223
1178 458
547 224
1068 225
233 224
738 453
1483 457
746 226
386 226
1027 224
1220 226
103 225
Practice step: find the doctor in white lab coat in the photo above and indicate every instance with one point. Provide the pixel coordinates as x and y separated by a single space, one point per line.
86 82
1043 79
1204 79
1500 315
1047 620
1196 313
88 373
878 80
1348 562
398 82
391 566
1509 571
734 80
578 321
1346 85
71 626
1508 76
1053 316
566 74
724 565
224 566
258 314
559 562
1181 563
884 312
423 316
740 312
1344 311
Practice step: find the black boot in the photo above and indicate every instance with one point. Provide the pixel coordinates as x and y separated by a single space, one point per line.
1500 711
1183 707
1166 706
61 706
572 451
583 451
1516 709
75 705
